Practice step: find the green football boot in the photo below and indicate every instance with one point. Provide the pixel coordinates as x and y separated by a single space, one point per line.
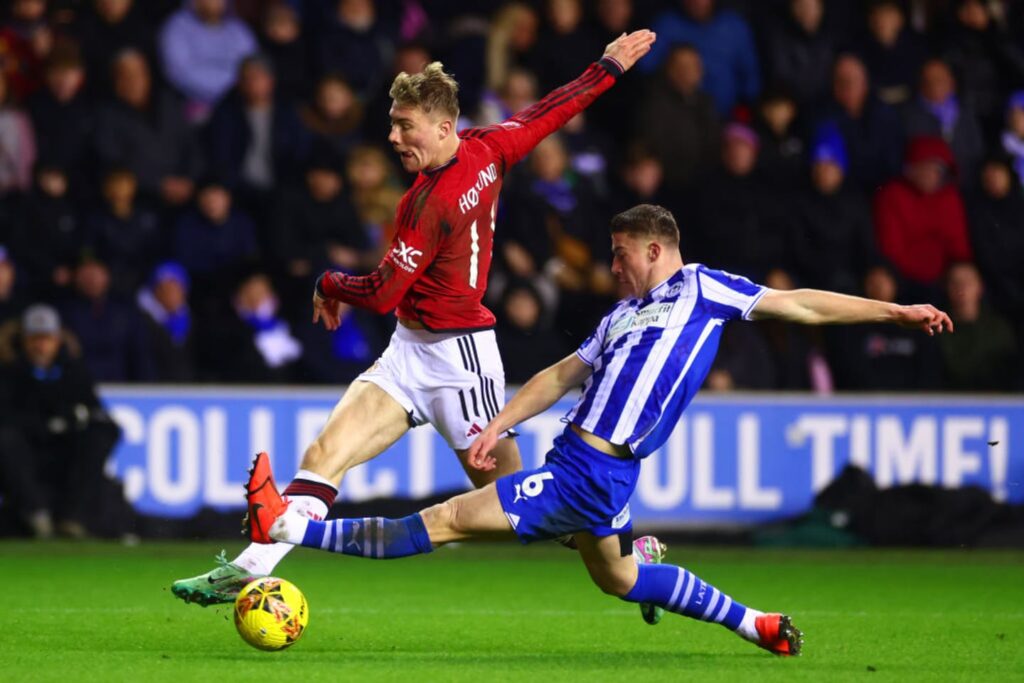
649 550
217 586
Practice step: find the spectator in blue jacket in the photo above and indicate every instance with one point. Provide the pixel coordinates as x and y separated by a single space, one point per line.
725 43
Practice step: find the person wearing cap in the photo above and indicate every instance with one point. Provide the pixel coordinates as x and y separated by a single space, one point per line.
164 303
831 238
55 435
920 222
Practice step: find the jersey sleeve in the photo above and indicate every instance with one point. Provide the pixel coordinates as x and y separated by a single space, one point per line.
514 138
412 250
729 296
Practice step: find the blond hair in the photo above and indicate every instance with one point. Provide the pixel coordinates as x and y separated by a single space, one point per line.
431 90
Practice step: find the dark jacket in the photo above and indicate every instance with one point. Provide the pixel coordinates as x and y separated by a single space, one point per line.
154 143
965 139
228 136
304 227
831 242
113 337
681 130
874 142
997 236
30 398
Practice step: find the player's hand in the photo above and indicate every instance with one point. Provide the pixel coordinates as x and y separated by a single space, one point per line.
479 457
924 317
628 48
327 310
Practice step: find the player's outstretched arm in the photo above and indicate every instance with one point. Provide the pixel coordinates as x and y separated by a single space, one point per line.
513 139
818 307
537 395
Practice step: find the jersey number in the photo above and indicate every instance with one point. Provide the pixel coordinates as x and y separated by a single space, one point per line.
474 248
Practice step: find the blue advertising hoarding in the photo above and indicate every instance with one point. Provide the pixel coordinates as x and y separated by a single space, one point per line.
736 459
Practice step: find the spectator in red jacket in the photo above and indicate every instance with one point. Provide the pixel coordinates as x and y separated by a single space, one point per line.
920 223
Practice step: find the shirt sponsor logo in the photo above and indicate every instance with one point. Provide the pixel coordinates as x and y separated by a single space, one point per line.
471 197
406 256
654 315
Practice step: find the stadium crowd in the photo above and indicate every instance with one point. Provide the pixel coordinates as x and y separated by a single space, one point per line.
175 173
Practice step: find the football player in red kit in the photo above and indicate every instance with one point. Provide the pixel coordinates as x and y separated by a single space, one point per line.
442 364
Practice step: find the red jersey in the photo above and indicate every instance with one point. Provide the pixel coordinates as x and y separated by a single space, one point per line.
436 270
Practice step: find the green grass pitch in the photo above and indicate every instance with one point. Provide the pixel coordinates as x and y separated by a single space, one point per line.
102 612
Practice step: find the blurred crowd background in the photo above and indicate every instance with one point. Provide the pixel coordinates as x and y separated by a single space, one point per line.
174 175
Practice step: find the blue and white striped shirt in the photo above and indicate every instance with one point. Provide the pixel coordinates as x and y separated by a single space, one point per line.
650 355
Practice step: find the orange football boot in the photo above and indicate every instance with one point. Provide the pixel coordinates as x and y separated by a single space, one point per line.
778 635
265 503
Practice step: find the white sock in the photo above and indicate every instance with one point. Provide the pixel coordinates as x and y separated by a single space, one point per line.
289 528
747 629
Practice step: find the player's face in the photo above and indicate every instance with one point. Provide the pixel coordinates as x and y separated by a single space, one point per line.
631 263
416 137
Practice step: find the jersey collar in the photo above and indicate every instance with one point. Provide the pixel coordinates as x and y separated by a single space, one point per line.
448 164
662 289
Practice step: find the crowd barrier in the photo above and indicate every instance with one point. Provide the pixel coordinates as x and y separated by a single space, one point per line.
735 459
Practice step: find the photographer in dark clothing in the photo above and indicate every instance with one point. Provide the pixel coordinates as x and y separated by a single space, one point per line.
55 435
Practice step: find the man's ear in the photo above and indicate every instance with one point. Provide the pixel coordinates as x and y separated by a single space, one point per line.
653 251
445 128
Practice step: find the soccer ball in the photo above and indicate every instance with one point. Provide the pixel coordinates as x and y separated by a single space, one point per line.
271 613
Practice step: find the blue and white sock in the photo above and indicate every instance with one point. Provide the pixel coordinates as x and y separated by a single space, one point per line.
682 592
377 538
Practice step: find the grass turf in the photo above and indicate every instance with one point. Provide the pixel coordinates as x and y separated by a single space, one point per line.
99 612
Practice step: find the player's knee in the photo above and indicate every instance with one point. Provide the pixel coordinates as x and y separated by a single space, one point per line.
442 521
315 455
322 459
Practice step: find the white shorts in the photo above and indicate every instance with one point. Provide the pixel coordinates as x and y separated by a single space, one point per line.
453 381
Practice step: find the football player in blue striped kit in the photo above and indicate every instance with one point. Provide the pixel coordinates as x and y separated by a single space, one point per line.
639 370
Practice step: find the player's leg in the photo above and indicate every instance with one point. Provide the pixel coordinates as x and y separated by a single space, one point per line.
476 515
610 563
362 425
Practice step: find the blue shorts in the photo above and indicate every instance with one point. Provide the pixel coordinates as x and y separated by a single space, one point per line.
579 488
